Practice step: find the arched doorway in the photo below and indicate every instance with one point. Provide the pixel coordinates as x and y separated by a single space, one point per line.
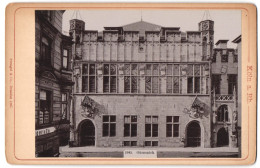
222 137
87 133
193 133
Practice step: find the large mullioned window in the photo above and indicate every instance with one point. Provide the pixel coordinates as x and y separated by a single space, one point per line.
145 78
194 79
232 83
151 126
89 78
130 126
131 78
109 126
109 78
173 78
152 78
216 83
172 126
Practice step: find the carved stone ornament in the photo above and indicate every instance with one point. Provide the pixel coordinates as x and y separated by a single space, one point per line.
214 117
224 69
86 113
234 117
205 26
48 75
196 110
76 71
46 82
211 26
91 108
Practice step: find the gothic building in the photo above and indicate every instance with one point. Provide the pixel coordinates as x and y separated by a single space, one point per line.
239 76
53 83
142 85
225 86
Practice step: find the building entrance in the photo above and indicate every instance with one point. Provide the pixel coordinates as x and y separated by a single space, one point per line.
87 133
193 132
222 137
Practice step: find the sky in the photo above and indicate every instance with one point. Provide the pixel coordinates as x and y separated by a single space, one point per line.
227 23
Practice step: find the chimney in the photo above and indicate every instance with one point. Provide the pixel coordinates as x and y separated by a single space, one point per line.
221 44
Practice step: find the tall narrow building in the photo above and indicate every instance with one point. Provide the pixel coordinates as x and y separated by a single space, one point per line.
53 83
225 85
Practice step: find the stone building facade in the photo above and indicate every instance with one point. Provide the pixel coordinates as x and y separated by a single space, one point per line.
239 50
53 83
225 86
142 85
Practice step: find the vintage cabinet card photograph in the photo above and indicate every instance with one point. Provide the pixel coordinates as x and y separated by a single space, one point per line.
131 83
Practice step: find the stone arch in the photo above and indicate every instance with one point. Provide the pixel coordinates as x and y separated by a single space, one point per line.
194 134
222 137
224 113
86 133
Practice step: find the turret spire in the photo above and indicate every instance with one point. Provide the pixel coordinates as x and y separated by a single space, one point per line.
141 15
77 15
206 15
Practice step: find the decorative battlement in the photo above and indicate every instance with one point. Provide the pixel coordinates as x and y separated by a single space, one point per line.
143 31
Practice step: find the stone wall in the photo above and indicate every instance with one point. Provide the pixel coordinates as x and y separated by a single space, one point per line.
224 68
146 51
141 106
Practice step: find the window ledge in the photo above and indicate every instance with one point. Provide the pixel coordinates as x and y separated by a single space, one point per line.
221 122
173 137
66 71
44 126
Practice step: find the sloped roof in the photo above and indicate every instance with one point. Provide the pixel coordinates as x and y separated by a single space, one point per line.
221 41
237 40
141 26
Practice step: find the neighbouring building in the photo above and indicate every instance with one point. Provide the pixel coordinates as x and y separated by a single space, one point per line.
53 83
143 85
224 81
238 51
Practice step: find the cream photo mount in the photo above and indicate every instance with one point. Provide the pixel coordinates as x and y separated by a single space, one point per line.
23 126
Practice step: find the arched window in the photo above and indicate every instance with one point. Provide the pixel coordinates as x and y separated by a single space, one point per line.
222 114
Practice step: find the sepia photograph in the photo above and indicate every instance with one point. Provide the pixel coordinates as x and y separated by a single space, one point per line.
138 83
